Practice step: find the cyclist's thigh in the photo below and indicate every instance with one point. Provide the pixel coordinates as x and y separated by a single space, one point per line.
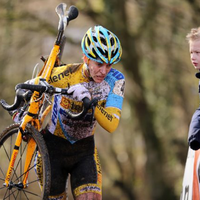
59 174
58 178
86 176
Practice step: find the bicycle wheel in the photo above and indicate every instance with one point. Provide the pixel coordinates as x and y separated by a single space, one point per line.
15 190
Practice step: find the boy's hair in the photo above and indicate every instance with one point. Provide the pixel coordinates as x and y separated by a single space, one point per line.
193 35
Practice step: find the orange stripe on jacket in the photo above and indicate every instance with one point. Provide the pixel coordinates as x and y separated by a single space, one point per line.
195 189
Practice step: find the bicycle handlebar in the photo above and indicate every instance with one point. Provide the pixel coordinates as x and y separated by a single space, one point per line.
31 87
22 96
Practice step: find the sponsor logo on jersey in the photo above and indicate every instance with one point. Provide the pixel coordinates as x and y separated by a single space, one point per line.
90 188
103 111
63 74
55 110
65 102
117 74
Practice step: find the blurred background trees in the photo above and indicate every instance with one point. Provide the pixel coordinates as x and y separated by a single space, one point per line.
144 159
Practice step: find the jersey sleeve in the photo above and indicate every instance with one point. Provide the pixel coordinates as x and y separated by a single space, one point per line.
108 116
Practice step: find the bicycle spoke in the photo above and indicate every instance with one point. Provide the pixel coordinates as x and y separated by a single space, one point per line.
22 174
18 193
6 153
2 186
10 194
2 174
25 191
36 180
25 194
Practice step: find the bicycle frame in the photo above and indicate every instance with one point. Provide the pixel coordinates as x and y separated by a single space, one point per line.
36 101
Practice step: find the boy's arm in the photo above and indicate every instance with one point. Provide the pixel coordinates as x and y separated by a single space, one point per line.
194 131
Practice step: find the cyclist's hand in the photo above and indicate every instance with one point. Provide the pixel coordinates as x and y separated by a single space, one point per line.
79 92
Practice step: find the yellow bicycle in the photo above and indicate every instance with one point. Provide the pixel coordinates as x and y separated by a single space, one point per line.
21 144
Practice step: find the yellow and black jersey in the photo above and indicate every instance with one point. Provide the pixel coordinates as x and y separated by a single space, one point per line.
109 93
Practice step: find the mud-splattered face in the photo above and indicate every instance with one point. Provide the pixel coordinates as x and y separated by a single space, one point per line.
98 71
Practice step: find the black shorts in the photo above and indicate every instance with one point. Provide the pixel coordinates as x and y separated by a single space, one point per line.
80 160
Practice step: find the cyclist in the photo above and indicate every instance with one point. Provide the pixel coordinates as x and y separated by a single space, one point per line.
71 142
194 45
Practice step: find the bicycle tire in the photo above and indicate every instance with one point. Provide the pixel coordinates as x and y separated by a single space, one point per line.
32 191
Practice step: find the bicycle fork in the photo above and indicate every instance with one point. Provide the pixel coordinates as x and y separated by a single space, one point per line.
29 155
31 146
13 158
